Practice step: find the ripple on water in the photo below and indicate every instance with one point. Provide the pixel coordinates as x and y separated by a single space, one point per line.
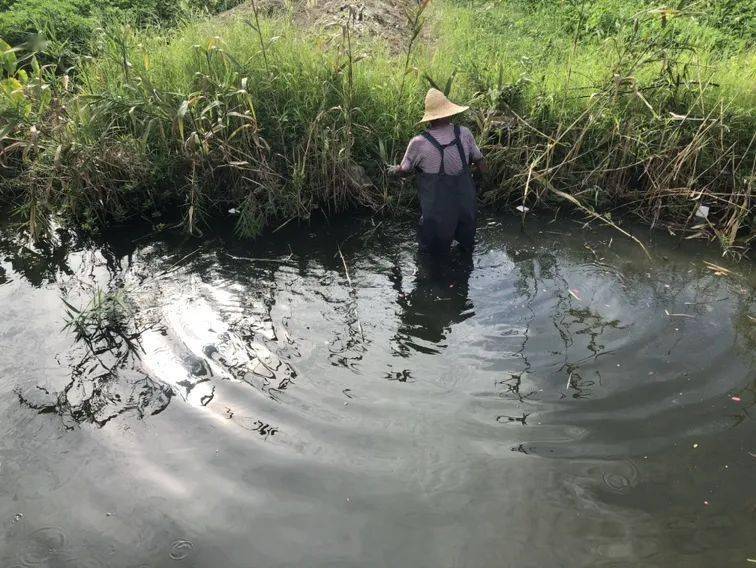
622 478
42 546
181 549
84 562
627 551
255 425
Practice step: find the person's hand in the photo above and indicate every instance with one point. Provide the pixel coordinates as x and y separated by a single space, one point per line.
394 170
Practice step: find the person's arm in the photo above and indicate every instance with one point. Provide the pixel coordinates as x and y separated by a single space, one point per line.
476 156
399 171
409 162
481 165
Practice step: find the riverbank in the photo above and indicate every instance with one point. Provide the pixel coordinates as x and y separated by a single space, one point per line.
613 109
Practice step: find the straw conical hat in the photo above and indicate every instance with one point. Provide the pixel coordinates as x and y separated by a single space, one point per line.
438 106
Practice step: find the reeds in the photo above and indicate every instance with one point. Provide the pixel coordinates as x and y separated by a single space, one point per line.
645 126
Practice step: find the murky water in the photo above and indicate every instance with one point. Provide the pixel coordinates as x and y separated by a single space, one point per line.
558 401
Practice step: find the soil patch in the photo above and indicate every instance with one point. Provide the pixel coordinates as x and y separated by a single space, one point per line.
377 18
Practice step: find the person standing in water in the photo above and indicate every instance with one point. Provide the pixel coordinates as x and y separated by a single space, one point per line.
442 157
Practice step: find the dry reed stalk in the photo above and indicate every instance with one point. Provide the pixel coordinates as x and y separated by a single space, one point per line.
353 292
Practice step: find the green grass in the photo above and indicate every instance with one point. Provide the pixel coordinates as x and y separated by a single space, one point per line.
73 23
651 109
608 105
559 48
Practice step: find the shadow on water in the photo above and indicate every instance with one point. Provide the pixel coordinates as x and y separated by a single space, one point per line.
103 376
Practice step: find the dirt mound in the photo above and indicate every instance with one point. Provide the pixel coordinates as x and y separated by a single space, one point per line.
380 18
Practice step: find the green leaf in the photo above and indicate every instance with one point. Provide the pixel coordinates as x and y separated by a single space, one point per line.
7 58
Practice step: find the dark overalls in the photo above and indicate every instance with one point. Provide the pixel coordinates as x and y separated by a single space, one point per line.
447 204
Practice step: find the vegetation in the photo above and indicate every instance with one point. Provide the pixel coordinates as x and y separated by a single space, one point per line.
631 106
72 24
609 106
103 318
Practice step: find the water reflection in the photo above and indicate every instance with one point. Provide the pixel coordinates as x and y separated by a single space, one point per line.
438 300
39 263
383 409
105 380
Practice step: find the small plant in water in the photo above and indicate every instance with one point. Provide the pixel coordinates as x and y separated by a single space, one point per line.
103 318
105 381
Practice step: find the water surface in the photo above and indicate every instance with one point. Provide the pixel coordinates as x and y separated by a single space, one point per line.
557 400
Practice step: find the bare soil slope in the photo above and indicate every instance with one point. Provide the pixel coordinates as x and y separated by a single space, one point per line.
380 18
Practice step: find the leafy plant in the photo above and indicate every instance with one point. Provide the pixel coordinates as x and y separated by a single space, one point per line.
103 317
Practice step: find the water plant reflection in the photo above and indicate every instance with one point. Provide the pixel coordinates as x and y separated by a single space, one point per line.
104 380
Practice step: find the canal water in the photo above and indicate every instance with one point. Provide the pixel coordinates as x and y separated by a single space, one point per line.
321 398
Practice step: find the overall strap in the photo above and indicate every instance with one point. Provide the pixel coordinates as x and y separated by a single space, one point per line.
436 144
458 141
441 147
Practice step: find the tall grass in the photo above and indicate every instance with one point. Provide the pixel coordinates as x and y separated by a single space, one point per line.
198 120
278 122
646 118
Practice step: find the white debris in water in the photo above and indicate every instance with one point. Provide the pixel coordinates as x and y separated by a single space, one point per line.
702 212
233 211
522 209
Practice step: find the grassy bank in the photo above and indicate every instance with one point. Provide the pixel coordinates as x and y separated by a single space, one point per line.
608 106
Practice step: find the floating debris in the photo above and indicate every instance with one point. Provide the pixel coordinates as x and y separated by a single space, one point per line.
522 209
678 315
702 212
574 295
736 398
718 270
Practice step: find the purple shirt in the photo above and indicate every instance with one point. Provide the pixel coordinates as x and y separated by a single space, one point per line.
423 155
